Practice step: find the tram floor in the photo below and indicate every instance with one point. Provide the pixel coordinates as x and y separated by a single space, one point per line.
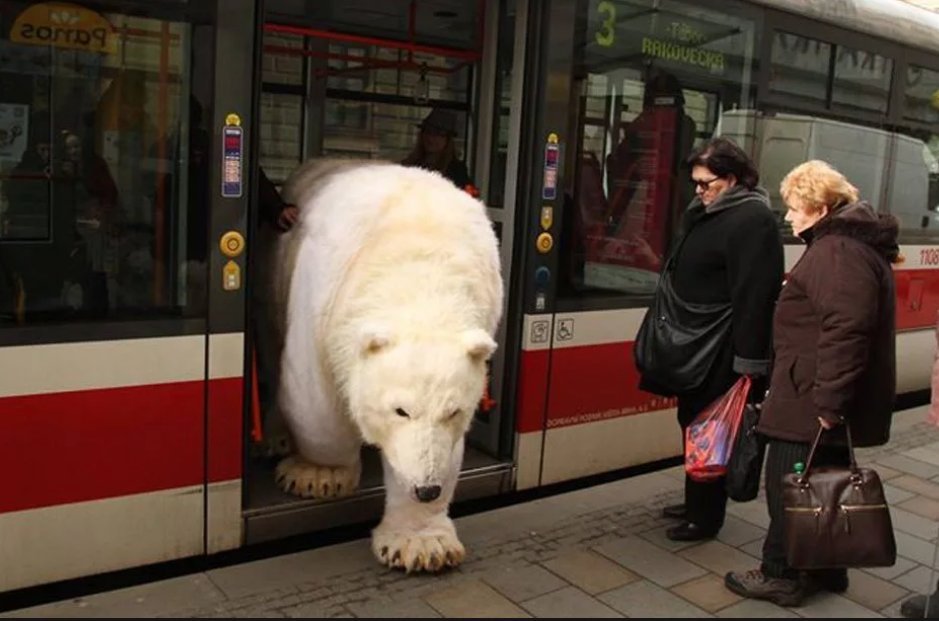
263 492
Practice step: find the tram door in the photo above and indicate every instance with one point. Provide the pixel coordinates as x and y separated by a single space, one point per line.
355 79
124 180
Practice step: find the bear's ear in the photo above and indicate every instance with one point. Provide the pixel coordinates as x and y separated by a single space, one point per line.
373 338
479 345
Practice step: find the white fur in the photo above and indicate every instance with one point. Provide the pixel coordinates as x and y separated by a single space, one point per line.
388 293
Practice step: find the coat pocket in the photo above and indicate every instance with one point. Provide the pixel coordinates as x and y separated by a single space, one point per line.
802 374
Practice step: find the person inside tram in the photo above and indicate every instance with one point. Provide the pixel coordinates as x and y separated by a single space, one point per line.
279 214
436 150
730 253
27 189
633 163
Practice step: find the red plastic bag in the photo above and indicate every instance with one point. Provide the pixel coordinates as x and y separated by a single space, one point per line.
710 437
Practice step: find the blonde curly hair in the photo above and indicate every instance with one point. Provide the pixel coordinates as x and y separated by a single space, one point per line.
816 184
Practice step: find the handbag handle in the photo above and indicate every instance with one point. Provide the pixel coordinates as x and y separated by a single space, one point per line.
818 437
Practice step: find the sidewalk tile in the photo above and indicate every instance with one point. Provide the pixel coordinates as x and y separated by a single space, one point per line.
917 485
590 572
393 609
924 453
754 512
657 536
473 598
720 558
831 606
644 600
754 548
913 524
908 465
923 506
872 592
914 548
756 609
520 583
737 532
650 561
569 603
155 599
918 580
902 566
707 592
895 495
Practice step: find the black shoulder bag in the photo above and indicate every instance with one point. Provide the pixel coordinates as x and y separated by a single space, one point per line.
678 341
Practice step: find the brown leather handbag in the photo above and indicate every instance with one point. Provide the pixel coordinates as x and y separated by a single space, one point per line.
837 516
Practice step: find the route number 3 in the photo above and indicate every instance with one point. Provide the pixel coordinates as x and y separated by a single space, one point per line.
606 34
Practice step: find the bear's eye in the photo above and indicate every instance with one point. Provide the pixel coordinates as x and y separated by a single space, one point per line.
455 413
402 413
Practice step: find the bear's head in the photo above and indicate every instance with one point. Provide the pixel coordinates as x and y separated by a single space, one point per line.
414 398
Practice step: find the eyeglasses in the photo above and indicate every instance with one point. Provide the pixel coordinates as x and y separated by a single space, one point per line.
704 184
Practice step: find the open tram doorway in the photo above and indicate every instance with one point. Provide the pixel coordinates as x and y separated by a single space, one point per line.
355 79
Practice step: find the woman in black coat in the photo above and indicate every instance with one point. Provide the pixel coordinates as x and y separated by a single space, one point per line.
729 253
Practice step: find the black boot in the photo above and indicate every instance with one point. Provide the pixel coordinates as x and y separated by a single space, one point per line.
915 607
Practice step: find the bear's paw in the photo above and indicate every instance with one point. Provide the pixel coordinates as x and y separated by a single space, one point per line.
297 476
433 550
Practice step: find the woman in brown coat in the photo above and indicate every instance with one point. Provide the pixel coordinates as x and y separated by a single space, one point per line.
834 362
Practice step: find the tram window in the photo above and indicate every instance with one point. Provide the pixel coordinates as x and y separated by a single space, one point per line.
656 76
104 167
862 80
921 95
799 67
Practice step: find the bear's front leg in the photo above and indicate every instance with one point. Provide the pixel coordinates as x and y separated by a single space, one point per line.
414 535
328 462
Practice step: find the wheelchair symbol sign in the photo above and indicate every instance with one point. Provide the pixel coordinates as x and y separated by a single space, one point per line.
566 330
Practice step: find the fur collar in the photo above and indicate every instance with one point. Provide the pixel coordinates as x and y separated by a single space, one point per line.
860 221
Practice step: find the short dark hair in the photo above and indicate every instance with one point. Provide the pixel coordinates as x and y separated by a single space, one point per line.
723 157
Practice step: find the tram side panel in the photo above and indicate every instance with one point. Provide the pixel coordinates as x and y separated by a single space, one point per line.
580 411
103 446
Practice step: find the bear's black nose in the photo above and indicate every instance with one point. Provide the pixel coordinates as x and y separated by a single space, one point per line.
426 493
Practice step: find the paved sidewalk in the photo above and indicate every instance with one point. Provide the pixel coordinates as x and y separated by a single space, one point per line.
597 552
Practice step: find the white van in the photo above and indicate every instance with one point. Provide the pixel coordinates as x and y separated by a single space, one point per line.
895 172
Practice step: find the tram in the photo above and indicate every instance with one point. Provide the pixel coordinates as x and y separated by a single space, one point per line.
133 139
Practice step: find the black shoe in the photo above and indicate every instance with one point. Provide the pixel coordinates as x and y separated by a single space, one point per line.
675 512
689 531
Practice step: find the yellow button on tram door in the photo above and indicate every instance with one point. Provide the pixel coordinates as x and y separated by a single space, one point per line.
544 243
232 244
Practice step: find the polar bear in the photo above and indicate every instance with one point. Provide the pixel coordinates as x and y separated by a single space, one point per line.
387 295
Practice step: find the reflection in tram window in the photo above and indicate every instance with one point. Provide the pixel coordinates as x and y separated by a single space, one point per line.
100 185
655 79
